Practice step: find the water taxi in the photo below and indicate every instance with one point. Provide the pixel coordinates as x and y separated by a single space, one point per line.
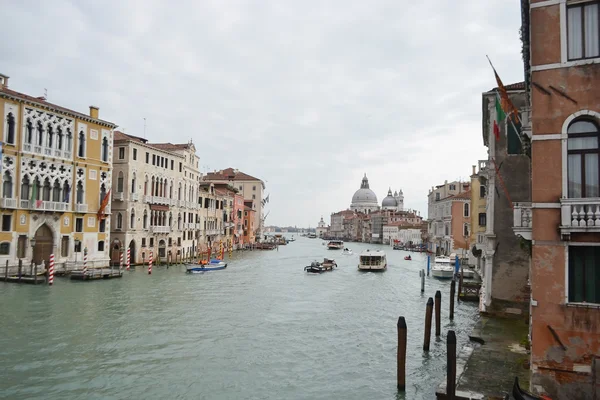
335 245
372 261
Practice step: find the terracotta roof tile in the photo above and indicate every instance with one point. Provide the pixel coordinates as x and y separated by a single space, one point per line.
170 146
463 195
118 135
229 173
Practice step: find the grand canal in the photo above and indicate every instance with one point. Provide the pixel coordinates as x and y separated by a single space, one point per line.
261 329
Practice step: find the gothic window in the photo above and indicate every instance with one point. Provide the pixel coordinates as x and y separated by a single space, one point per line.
170 219
171 190
105 149
146 186
80 193
152 188
145 220
132 219
133 183
25 188
59 138
583 149
40 132
69 140
66 192
120 182
466 209
119 221
29 136
179 222
50 135
10 124
56 192
81 151
46 190
179 193
7 186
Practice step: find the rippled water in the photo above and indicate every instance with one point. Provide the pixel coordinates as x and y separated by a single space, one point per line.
261 329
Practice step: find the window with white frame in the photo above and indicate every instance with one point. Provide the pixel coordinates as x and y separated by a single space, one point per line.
584 276
583 31
466 209
583 150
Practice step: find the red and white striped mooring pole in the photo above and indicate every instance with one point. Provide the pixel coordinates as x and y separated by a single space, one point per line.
150 264
51 270
128 259
84 262
121 261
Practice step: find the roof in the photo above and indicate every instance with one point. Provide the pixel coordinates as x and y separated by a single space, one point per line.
41 101
512 86
171 146
463 195
229 174
118 135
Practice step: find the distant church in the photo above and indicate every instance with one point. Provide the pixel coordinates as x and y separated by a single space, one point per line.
365 200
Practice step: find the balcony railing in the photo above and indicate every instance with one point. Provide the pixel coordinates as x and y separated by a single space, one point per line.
522 220
134 196
119 196
160 229
81 208
47 151
580 215
8 203
42 205
212 231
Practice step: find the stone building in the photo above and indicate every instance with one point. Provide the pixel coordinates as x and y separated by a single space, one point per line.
322 229
562 72
364 199
158 202
56 170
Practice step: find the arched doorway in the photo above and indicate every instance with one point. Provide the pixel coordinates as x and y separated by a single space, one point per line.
132 252
44 243
162 249
115 252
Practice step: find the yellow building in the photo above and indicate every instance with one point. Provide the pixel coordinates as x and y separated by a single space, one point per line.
478 212
56 169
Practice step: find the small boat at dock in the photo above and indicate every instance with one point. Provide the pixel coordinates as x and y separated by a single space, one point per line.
442 269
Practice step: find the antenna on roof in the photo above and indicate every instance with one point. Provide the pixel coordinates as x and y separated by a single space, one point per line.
45 93
144 127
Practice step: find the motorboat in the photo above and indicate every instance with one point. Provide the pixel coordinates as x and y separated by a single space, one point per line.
408 258
520 394
467 273
329 264
442 269
204 265
398 247
316 267
347 252
335 245
372 261
312 235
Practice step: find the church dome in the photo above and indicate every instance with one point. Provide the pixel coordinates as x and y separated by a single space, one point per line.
389 200
364 196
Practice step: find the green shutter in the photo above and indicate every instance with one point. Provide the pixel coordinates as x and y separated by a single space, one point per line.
513 143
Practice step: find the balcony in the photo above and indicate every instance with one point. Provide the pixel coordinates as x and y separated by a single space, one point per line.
119 196
81 208
160 229
580 215
134 197
8 203
522 220
47 151
483 166
156 200
41 205
211 232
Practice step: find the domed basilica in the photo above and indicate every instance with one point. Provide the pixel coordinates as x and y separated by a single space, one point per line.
365 200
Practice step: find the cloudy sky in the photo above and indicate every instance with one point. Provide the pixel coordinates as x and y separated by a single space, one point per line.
307 95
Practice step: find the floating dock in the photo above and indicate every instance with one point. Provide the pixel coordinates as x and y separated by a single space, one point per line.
96 273
28 279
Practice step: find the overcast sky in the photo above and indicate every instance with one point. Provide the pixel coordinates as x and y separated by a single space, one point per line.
306 95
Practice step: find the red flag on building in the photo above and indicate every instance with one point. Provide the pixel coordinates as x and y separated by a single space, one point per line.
101 214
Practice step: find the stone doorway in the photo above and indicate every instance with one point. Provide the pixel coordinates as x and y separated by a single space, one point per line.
44 245
115 253
131 252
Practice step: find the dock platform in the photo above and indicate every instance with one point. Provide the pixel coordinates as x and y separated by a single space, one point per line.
26 279
95 274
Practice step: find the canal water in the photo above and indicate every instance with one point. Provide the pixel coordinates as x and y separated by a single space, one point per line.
260 329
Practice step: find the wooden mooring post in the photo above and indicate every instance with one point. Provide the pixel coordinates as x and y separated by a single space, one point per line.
401 358
428 315
20 269
460 285
451 367
422 273
35 273
452 293
6 272
438 310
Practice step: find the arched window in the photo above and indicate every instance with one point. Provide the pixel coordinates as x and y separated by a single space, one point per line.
179 193
120 182
145 220
40 133
66 192
482 191
59 138
171 190
133 183
80 193
582 152
466 209
25 188
152 188
29 136
132 219
146 186
466 230
179 222
170 219
46 190
10 125
105 149
81 152
50 135
7 186
119 221
56 191
69 145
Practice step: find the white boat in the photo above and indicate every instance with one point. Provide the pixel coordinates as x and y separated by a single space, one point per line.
372 261
467 273
347 252
442 269
335 245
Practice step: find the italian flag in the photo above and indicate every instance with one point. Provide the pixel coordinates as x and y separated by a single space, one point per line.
500 115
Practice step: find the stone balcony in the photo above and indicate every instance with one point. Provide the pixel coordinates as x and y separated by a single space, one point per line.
47 151
212 231
579 215
157 200
8 203
119 196
522 220
160 229
80 208
42 205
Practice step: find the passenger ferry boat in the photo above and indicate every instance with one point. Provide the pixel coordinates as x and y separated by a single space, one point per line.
442 269
372 261
335 245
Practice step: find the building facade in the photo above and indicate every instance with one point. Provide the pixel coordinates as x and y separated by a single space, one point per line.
448 217
478 214
322 229
56 170
562 73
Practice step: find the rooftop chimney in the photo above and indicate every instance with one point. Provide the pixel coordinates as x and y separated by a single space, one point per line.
474 171
3 81
94 112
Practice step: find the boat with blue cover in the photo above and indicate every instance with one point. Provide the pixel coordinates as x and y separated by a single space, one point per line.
214 265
